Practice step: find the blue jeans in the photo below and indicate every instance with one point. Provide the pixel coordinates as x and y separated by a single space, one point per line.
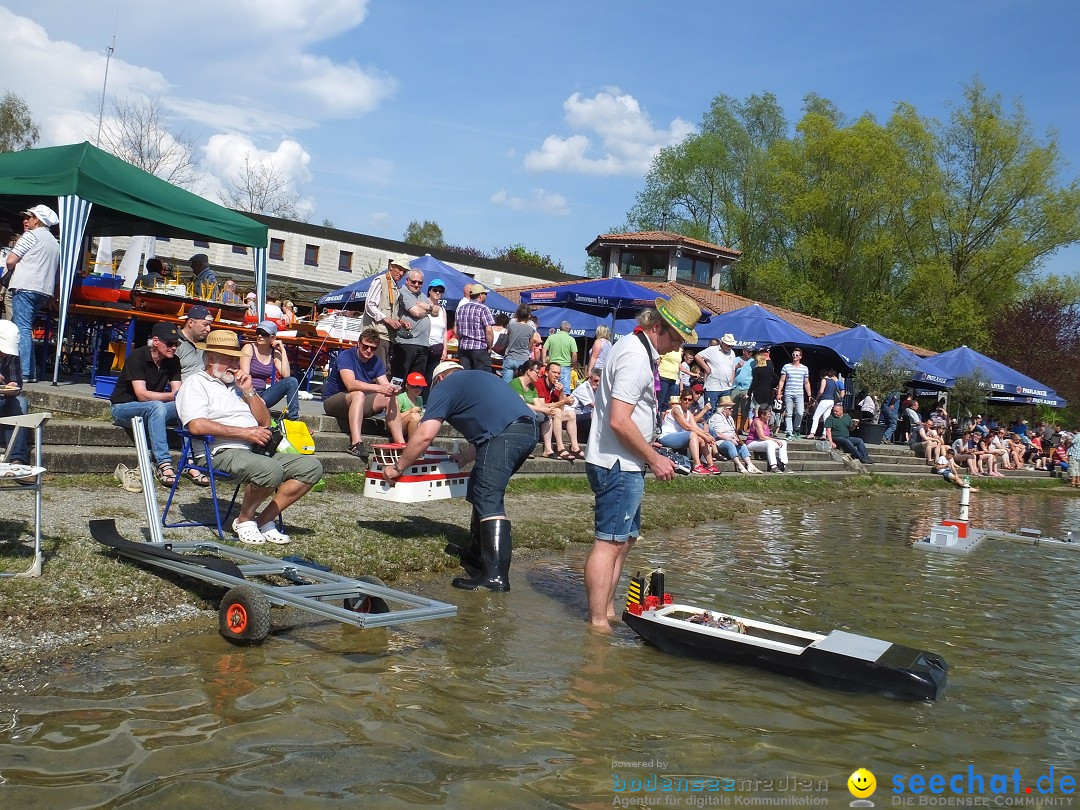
668 389
793 404
712 397
730 450
25 305
510 367
566 379
15 406
156 415
284 389
891 417
854 446
617 512
496 460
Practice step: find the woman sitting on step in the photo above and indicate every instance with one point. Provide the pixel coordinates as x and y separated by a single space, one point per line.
760 440
268 364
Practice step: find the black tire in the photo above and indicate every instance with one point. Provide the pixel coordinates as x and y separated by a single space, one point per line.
244 616
368 604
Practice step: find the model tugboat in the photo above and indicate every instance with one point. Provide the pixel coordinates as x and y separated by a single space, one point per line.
432 477
839 660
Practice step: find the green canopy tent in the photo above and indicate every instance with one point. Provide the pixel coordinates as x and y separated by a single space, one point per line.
99 194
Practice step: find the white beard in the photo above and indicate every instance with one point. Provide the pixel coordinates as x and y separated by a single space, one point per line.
226 377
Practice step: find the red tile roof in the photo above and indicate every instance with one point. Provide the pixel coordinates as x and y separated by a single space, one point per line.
666 238
715 302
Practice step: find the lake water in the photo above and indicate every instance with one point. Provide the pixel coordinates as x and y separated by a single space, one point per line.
514 704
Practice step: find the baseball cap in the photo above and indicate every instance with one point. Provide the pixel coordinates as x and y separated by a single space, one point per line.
416 378
477 289
436 282
46 216
199 313
267 326
165 331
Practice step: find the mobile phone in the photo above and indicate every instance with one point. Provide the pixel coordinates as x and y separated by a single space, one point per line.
396 382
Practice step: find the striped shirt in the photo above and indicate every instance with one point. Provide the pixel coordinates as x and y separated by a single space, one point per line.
795 378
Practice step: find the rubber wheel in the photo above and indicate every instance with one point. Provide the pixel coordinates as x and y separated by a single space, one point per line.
368 604
244 616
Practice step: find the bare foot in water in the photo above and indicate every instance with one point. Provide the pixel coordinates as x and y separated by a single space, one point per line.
600 629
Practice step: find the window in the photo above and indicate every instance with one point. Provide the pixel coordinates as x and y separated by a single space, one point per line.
311 255
344 262
643 263
277 249
695 270
239 249
162 238
201 243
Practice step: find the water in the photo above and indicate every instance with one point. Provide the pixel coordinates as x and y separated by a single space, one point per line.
513 704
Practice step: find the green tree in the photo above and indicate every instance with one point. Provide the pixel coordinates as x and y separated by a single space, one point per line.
709 186
17 128
519 254
426 234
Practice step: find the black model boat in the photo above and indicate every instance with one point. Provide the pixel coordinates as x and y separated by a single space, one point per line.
839 660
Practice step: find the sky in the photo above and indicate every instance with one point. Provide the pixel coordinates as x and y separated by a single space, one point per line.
505 122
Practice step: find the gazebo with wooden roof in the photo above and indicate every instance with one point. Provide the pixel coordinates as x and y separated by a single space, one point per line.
662 256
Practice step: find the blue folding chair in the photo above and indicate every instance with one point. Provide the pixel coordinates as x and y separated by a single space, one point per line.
189 461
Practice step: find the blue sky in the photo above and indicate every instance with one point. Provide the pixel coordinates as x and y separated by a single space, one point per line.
513 122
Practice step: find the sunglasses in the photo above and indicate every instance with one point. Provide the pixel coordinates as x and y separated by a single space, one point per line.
171 344
261 333
369 347
437 289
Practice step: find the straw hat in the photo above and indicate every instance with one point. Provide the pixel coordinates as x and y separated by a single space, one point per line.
724 402
221 341
680 313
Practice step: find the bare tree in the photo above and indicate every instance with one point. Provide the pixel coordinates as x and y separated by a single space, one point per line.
17 129
259 188
136 131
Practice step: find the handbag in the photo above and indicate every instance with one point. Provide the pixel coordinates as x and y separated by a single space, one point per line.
298 437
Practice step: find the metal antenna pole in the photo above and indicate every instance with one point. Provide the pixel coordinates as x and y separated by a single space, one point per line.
101 108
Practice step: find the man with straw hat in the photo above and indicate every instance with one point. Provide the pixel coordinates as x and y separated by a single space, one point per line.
220 401
620 447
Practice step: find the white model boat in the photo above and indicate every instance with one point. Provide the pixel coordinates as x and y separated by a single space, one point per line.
432 477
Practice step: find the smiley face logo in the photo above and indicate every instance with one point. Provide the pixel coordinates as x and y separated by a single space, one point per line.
862 783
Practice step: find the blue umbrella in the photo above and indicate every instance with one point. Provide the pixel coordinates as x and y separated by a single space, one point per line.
598 295
1006 384
582 324
861 342
753 326
454 280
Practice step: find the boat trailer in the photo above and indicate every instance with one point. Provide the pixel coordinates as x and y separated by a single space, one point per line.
255 582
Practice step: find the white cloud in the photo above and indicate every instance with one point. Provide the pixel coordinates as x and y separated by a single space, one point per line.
628 141
224 157
546 202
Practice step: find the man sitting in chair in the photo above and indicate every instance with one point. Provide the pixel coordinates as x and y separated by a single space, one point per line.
219 401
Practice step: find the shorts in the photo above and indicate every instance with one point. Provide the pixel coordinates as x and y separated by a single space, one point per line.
268 471
338 407
617 512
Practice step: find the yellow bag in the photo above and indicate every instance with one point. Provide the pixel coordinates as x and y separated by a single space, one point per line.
298 435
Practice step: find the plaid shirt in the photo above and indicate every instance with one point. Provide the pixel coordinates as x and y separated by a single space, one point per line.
469 323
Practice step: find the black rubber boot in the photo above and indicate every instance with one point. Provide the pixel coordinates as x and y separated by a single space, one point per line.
469 554
496 550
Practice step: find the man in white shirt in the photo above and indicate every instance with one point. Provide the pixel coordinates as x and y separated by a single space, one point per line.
35 258
620 445
718 363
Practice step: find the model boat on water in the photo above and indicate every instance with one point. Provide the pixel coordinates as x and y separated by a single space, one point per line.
838 660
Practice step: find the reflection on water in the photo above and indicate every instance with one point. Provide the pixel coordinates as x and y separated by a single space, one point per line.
513 704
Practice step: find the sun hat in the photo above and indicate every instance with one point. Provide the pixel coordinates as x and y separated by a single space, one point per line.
445 366
477 289
45 215
221 341
416 378
674 399
9 338
267 326
680 313
199 313
728 339
402 262
165 331
724 402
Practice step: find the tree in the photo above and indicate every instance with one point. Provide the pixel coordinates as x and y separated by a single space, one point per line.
17 129
136 131
427 234
259 188
881 376
519 254
968 394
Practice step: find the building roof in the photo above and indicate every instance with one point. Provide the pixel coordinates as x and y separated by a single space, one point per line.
661 239
718 301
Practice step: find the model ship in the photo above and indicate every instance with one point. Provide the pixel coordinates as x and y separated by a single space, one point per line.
432 477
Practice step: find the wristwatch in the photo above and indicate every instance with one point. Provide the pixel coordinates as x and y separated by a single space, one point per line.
249 394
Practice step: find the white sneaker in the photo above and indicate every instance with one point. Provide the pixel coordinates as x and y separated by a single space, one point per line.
272 535
129 479
247 531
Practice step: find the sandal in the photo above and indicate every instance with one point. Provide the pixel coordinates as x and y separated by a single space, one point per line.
549 455
165 474
578 453
566 455
198 478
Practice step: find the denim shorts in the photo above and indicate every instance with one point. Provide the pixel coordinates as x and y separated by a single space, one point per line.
618 502
496 460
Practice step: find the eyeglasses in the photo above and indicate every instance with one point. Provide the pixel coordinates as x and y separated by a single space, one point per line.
368 347
677 337
414 282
